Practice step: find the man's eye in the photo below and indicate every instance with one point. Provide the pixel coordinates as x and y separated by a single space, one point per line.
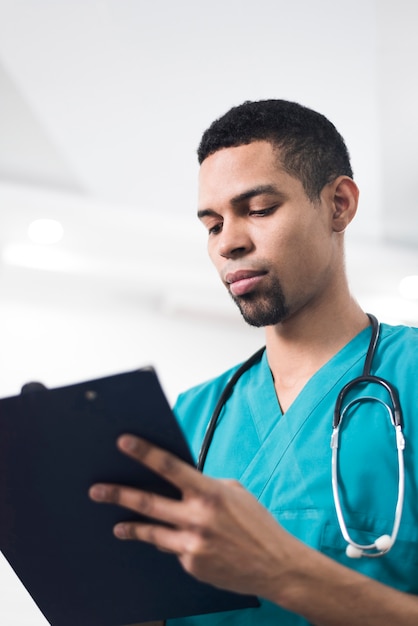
214 230
262 212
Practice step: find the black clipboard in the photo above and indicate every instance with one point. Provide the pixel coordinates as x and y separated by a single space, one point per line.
55 443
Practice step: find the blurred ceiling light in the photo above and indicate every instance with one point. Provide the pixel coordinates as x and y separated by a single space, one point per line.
408 287
35 257
45 231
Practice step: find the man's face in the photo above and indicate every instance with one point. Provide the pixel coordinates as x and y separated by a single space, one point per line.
272 246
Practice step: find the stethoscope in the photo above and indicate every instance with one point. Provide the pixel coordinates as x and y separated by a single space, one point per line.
382 544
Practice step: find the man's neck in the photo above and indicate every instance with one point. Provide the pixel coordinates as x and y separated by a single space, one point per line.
300 346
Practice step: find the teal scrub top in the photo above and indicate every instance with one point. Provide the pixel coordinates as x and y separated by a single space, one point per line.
285 460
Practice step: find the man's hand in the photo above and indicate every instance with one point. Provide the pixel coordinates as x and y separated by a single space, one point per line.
219 532
223 536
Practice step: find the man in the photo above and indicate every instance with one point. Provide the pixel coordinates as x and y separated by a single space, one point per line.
275 195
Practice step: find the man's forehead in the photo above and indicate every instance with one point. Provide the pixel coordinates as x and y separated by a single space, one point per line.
237 170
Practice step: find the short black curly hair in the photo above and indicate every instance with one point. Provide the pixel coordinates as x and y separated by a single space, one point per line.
311 148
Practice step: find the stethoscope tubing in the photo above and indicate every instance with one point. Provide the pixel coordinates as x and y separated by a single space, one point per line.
210 431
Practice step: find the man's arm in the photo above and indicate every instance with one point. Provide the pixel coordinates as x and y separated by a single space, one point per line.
223 536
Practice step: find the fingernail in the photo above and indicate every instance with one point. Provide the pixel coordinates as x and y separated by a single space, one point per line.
120 531
128 443
97 492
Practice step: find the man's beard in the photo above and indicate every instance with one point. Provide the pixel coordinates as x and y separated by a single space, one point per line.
263 309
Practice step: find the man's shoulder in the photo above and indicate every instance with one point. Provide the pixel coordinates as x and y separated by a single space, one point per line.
397 352
401 336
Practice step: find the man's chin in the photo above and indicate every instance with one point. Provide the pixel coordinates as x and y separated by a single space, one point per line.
260 315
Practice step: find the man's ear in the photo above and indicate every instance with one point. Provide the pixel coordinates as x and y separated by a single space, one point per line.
344 197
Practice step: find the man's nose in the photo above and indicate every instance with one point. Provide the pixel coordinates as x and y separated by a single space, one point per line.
234 240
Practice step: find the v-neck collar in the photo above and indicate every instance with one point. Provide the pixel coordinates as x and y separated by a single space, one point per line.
277 430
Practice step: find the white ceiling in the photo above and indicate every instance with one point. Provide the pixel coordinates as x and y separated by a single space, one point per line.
102 104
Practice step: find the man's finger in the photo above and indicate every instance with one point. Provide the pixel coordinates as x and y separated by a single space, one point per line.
148 504
162 537
167 465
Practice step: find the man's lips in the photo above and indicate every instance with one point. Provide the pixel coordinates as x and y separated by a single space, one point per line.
243 281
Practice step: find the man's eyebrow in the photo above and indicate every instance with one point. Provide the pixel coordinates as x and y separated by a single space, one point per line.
206 213
242 197
260 190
